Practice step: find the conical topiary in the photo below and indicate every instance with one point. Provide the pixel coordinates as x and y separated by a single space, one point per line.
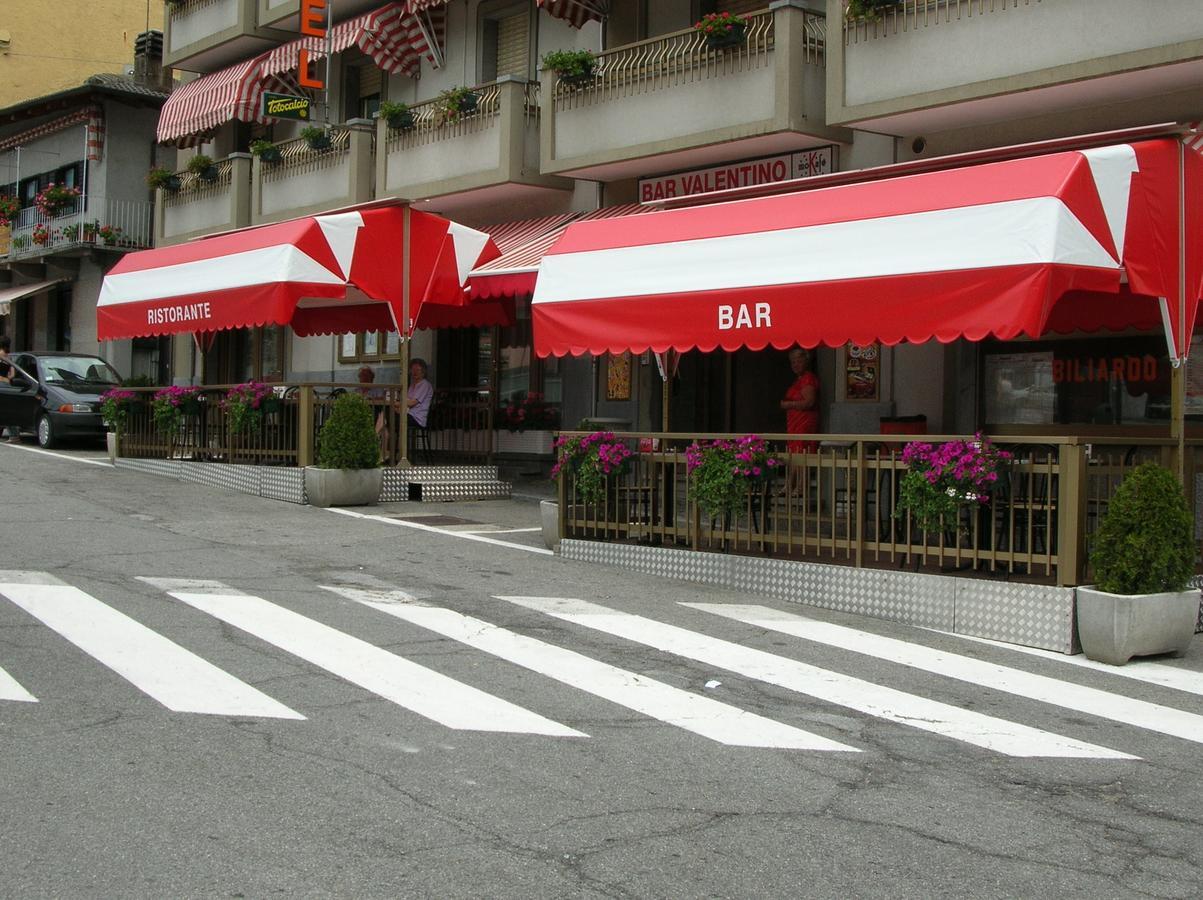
348 439
1145 542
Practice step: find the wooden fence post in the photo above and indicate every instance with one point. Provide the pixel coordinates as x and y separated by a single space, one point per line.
305 426
1072 494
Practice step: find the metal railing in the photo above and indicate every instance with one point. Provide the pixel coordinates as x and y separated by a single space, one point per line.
288 432
911 15
84 222
840 504
433 122
195 187
684 57
298 158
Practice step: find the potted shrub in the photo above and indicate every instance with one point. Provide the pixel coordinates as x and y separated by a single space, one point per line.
41 235
723 473
397 115
572 67
56 199
722 29
456 102
9 208
202 167
20 242
166 179
1143 557
316 137
115 407
110 234
70 232
89 231
265 150
348 469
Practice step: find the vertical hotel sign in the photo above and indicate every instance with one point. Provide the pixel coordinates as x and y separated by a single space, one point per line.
313 24
768 170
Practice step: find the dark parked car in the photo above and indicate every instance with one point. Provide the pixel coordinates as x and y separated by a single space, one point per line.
56 395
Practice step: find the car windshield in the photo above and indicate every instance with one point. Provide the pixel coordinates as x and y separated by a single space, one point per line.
70 370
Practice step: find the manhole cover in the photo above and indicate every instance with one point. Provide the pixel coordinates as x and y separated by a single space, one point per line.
438 520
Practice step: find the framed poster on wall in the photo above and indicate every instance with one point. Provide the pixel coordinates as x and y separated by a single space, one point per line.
618 376
862 371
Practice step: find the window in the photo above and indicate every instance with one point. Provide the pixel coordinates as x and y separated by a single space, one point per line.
505 31
247 354
369 346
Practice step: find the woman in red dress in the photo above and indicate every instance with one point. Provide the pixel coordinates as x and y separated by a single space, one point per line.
801 402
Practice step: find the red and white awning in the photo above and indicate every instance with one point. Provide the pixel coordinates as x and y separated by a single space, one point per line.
576 12
332 273
391 36
513 273
969 252
92 115
200 106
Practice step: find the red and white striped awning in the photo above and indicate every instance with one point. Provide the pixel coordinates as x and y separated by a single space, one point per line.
391 36
970 252
195 108
513 273
324 274
92 115
576 12
10 295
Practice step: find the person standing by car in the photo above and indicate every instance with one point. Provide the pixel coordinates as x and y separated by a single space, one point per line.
9 433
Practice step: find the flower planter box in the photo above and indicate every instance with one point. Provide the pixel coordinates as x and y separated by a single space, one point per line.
1115 627
343 487
530 442
727 39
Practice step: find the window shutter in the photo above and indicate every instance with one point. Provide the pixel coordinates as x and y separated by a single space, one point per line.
369 81
513 46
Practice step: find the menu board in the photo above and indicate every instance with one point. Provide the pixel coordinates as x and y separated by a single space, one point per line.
862 371
618 376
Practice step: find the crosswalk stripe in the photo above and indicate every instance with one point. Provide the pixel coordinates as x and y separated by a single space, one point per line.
1095 702
10 689
172 675
701 715
1137 669
995 734
418 689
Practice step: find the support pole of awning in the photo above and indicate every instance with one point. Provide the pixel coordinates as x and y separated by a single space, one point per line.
1178 382
405 332
667 363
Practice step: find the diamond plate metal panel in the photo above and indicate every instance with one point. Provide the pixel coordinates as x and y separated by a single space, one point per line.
688 565
924 600
395 486
1032 615
168 468
282 484
447 474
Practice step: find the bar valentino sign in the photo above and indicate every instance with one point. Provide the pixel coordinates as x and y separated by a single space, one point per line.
803 164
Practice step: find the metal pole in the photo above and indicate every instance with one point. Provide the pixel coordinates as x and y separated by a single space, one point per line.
403 325
83 188
1183 339
329 47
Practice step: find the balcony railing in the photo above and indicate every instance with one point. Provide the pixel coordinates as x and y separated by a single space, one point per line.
305 179
910 15
433 123
216 201
840 504
298 158
87 222
460 427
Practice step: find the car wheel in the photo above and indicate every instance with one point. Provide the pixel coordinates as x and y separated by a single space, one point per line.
46 436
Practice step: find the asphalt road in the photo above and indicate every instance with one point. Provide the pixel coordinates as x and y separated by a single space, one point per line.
506 766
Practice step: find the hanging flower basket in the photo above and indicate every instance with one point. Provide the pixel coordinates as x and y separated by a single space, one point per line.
722 30
56 199
9 208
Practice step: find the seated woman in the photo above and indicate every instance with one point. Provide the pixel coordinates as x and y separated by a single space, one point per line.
421 393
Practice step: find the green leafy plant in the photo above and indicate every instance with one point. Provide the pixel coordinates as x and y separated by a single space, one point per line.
348 440
592 459
70 232
397 115
202 167
110 234
1145 542
20 242
265 150
166 179
870 9
456 102
171 404
9 208
138 381
571 65
532 412
115 407
722 29
316 137
722 473
944 478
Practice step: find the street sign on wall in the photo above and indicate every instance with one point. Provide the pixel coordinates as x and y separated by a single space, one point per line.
286 106
766 170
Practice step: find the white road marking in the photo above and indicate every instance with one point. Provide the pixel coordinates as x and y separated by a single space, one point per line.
467 536
172 675
1137 669
91 461
700 715
496 530
10 689
421 690
959 724
1067 695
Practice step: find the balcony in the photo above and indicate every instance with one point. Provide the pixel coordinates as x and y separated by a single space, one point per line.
306 181
205 35
89 223
673 102
285 14
202 206
489 155
928 65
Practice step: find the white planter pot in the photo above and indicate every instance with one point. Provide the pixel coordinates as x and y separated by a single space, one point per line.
110 440
1115 627
343 487
530 442
549 514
